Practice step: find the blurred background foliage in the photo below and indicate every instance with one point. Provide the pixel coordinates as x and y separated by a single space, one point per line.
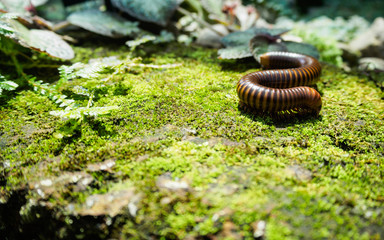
304 9
320 28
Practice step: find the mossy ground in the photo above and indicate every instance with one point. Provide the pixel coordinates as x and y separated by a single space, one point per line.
305 179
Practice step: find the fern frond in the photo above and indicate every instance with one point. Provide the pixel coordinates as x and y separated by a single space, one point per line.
92 70
81 91
53 94
6 84
133 44
87 71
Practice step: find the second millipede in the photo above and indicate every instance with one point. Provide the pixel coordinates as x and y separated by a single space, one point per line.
283 89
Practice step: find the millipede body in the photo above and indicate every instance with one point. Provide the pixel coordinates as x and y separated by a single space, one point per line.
282 89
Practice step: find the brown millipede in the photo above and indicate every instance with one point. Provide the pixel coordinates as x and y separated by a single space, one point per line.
281 91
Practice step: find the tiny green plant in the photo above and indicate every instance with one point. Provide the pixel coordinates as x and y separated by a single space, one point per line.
73 111
7 84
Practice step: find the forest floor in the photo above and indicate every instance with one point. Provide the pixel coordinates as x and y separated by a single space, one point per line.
177 159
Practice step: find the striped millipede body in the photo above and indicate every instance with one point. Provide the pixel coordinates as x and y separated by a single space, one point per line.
282 90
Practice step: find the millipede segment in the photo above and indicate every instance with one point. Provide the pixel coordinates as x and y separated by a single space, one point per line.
282 90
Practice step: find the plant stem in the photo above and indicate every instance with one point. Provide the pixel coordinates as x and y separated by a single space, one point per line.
19 68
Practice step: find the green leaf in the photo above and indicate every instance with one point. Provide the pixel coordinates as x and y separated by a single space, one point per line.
262 44
40 40
243 37
302 48
81 90
164 37
155 11
88 71
104 23
53 10
5 28
236 52
8 85
137 42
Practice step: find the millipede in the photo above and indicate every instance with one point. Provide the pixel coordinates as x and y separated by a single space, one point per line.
282 89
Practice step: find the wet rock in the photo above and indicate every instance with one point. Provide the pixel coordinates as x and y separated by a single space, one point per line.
371 42
224 189
359 123
213 141
142 157
286 141
3 142
211 38
230 231
259 229
164 132
196 140
230 143
226 212
103 166
371 64
165 181
188 131
49 186
111 204
350 56
300 173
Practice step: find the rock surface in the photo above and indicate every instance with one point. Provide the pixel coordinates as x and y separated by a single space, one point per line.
370 43
371 64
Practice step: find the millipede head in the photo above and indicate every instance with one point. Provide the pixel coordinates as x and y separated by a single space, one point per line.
314 103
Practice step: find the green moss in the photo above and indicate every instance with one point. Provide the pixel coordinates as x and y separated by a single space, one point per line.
307 178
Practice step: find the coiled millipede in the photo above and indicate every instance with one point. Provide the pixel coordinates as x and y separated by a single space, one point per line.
282 90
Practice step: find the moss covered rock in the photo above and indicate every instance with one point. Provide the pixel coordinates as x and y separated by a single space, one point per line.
178 160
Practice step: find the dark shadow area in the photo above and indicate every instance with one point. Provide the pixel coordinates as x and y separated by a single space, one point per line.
239 65
277 120
41 222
